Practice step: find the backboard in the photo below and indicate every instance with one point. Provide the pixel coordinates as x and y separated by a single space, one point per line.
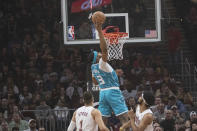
139 18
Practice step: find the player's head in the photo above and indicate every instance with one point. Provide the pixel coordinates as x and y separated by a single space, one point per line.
147 98
94 57
88 98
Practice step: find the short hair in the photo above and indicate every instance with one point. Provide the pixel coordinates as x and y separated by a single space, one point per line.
172 98
87 97
149 98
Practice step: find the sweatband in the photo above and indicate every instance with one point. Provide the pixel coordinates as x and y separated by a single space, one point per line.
95 55
72 126
144 99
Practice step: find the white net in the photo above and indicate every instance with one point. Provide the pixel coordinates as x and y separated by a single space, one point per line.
115 45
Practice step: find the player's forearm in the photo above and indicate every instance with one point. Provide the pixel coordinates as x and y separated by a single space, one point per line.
71 126
133 126
103 44
125 126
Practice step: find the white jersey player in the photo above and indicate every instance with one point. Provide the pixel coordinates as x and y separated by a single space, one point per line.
140 115
87 118
142 119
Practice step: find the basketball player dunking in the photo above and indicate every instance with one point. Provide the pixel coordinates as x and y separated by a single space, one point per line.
142 119
87 118
110 96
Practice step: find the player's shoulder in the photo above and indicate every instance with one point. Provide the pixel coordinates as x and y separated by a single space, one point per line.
95 112
147 119
148 116
80 108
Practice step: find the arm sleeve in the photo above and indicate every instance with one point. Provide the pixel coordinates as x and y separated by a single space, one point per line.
72 126
104 66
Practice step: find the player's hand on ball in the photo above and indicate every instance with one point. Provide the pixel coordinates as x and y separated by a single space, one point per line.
98 26
131 114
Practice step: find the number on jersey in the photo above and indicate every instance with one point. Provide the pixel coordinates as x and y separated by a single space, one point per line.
100 79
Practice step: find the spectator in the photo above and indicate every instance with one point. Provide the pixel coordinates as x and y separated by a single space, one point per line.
159 112
61 113
177 116
173 101
43 110
131 103
193 116
32 125
10 85
128 90
4 108
194 126
63 96
27 115
17 122
157 127
4 126
187 125
15 109
48 70
51 83
157 103
185 97
25 95
168 123
39 84
73 89
43 114
180 127
164 92
192 119
36 100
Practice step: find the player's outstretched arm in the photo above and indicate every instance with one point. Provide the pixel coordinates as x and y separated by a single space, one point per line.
103 44
98 118
72 124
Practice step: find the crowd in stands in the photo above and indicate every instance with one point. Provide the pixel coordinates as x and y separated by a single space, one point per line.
38 74
189 20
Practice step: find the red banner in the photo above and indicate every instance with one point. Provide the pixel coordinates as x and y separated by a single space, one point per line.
82 5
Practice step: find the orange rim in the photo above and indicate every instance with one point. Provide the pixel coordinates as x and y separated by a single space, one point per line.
115 34
113 37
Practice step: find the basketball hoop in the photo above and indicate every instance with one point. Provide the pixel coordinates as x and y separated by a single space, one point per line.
115 42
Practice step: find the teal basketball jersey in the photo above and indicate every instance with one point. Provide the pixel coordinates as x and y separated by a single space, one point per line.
104 79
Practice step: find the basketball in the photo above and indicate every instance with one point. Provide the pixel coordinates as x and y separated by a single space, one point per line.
98 17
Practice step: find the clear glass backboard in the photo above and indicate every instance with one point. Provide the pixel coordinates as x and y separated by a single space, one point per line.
139 18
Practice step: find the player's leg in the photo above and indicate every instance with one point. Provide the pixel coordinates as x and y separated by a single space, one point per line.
104 107
124 118
118 105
